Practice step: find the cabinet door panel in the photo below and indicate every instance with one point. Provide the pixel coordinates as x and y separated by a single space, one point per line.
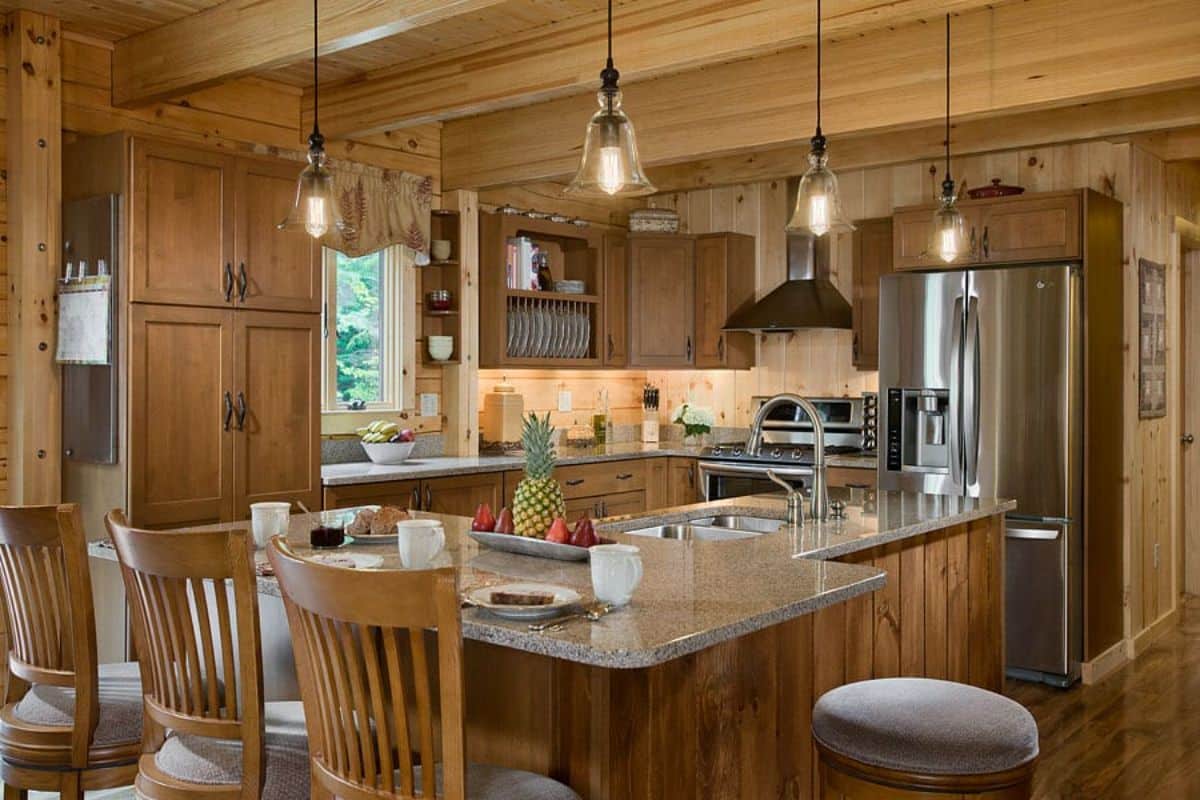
616 302
282 270
279 446
181 458
461 495
624 503
711 308
182 225
872 260
662 305
402 494
684 482
1033 229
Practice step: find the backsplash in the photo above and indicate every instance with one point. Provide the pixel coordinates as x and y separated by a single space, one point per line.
348 450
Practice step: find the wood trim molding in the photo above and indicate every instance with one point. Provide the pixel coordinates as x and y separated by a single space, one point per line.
1140 643
1104 664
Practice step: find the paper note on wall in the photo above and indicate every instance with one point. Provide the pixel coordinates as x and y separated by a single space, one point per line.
85 322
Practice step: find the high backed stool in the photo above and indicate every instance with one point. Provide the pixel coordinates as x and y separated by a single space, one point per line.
910 737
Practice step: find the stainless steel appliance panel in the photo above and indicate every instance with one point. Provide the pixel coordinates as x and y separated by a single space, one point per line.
1022 389
1043 619
721 480
921 320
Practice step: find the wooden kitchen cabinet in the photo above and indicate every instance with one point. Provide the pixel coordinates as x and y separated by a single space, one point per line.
181 224
657 483
661 300
460 495
912 234
403 494
724 284
616 302
684 482
277 408
872 260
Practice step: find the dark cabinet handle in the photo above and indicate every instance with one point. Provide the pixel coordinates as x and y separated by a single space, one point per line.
243 282
986 244
596 509
574 482
689 348
691 477
721 347
624 476
228 281
428 498
241 412
415 503
228 411
974 242
610 346
854 347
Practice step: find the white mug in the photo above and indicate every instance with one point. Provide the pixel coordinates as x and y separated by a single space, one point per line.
268 520
420 541
440 249
616 572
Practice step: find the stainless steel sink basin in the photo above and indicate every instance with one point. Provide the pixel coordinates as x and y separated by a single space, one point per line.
686 532
740 523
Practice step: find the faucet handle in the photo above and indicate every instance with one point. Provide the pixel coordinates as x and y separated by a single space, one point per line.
795 503
787 487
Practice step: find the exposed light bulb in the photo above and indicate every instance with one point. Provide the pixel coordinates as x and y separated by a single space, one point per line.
818 214
611 169
948 244
315 217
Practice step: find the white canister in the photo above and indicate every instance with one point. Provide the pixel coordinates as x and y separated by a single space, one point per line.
420 541
616 572
268 520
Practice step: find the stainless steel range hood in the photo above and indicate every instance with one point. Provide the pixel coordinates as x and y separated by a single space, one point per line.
807 299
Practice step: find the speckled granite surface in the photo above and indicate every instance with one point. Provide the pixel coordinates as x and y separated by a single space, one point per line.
695 594
365 472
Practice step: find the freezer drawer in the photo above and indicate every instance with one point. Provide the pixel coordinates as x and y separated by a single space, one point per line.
1042 603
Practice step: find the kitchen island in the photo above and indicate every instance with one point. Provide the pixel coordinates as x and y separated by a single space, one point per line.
704 686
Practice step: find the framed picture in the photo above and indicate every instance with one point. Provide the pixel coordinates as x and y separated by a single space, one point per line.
1152 339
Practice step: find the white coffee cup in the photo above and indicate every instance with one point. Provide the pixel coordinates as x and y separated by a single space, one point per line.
268 520
616 572
420 541
440 249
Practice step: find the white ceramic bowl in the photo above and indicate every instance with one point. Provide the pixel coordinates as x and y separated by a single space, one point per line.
441 347
389 452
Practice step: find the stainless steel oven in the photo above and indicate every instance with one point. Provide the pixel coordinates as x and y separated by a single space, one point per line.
720 480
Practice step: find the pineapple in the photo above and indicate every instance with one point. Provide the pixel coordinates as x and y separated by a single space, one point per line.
539 498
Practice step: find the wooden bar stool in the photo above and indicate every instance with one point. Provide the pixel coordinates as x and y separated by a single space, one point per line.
916 737
363 666
209 735
66 724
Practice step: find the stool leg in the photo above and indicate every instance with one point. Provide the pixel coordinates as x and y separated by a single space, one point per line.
72 787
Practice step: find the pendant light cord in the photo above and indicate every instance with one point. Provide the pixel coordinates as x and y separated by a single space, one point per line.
947 97
609 75
315 139
818 67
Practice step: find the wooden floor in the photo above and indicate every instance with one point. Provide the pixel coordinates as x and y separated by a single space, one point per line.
1134 735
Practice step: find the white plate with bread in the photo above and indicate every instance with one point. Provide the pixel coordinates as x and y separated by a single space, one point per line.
523 601
376 524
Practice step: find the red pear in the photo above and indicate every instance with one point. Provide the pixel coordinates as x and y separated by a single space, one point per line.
559 533
585 534
504 523
484 520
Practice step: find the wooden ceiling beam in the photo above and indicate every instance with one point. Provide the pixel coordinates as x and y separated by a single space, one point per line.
240 37
1160 112
652 38
1038 54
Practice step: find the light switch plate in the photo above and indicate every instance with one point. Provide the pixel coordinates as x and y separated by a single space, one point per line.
429 404
564 400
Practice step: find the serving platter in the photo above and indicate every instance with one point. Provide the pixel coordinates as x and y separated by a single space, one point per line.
528 546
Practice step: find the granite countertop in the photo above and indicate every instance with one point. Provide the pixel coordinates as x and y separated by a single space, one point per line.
696 593
361 472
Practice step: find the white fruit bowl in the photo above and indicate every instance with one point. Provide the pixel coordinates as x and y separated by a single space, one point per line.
389 452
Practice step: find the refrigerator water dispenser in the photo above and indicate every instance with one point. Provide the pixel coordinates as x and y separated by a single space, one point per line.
918 430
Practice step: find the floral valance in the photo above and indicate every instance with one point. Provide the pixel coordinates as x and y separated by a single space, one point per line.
383 206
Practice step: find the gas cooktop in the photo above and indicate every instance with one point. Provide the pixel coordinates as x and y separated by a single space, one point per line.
774 453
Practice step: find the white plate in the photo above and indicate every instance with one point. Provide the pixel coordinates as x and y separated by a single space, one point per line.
339 559
563 597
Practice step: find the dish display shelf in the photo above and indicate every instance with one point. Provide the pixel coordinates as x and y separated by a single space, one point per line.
443 274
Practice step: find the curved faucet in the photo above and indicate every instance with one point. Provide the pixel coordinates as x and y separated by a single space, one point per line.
820 490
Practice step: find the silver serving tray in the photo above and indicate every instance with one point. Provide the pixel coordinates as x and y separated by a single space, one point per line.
527 546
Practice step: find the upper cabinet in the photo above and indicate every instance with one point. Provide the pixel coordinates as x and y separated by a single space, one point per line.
872 260
203 232
724 284
616 301
1039 227
662 300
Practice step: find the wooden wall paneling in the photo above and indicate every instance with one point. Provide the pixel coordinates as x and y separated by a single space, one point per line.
957 608
888 612
460 382
912 608
935 575
34 156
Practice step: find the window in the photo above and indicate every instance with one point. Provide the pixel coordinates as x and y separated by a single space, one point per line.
362 326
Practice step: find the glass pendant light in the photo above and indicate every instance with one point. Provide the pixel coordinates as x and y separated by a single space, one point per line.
949 226
315 210
818 205
610 165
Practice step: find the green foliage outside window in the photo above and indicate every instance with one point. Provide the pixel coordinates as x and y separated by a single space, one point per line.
359 328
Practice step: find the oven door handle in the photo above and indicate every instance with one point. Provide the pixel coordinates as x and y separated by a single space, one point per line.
721 469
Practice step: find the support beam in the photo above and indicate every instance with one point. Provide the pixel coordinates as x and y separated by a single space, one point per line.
652 38
1033 55
239 37
33 48
1160 111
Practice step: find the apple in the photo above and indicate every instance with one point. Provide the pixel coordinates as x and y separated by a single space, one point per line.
408 435
504 523
483 520
559 533
585 534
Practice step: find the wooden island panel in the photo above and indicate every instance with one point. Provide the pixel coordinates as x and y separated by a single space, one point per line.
733 720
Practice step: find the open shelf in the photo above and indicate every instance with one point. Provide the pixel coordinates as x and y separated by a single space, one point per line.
450 313
450 262
555 296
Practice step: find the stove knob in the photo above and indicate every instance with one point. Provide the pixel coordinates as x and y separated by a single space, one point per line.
776 453
795 455
716 451
737 451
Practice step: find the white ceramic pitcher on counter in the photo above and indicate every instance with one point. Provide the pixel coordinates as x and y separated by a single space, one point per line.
616 572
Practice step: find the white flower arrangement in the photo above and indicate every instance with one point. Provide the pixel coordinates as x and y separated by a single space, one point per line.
696 420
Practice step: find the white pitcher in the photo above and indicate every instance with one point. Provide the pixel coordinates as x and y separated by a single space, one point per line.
616 572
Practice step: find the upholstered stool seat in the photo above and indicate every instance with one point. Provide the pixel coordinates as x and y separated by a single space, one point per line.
120 720
489 782
922 733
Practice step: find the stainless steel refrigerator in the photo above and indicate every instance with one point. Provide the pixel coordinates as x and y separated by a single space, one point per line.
981 394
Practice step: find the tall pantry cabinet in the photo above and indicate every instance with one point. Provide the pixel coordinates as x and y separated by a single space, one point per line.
219 336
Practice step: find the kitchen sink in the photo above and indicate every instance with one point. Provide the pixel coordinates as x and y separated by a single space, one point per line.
686 532
739 523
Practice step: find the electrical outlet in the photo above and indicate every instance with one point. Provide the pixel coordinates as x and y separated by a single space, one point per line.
429 404
564 400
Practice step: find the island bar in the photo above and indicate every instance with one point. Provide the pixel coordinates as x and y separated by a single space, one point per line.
704 686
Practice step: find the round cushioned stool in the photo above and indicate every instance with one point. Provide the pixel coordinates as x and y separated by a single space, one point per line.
908 737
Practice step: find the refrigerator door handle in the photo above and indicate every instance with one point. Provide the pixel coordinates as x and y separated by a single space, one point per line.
1041 534
956 399
971 381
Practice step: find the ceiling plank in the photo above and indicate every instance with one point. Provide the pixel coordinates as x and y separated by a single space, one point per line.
239 37
652 38
1128 116
1032 55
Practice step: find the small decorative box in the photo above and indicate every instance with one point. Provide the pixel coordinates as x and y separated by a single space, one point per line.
654 220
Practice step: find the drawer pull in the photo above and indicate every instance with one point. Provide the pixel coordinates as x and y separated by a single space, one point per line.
624 476
574 482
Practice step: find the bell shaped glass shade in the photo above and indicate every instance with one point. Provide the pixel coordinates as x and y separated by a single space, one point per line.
315 210
949 241
818 206
610 165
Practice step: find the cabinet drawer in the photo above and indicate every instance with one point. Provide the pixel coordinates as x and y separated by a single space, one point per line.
851 477
388 493
605 478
